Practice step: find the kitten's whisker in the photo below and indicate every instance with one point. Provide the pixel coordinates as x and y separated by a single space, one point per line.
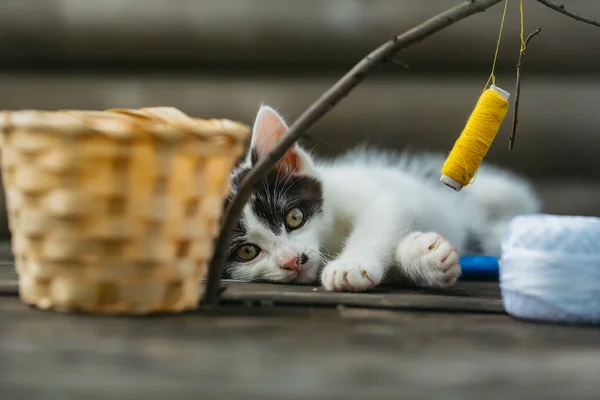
324 247
288 179
266 190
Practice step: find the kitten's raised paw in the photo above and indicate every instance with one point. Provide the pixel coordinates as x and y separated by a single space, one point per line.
429 259
352 275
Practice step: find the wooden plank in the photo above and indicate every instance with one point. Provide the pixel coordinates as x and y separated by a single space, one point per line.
275 351
540 133
292 352
305 35
464 297
8 275
564 190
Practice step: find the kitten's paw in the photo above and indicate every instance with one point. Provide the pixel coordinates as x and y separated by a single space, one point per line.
352 274
429 259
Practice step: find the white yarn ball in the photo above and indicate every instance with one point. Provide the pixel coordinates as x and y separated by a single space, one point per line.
550 268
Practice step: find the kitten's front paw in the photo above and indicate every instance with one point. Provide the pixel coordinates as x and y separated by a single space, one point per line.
352 274
429 259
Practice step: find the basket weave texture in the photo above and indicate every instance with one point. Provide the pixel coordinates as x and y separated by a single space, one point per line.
115 211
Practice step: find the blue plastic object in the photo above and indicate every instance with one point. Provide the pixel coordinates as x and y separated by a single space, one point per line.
479 268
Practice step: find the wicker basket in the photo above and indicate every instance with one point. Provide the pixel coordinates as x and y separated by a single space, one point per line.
115 211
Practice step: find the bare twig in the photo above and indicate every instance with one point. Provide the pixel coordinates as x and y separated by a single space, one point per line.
325 103
511 140
561 9
319 108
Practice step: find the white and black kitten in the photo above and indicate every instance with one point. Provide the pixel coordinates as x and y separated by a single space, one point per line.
365 218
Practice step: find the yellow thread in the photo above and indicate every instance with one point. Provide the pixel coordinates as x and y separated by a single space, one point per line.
481 128
492 76
475 140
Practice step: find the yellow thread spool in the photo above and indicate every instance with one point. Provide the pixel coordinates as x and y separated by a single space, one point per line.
476 138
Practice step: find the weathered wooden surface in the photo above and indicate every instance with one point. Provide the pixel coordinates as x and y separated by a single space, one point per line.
8 278
275 341
464 297
293 353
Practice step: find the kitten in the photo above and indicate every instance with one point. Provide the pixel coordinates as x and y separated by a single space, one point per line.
365 218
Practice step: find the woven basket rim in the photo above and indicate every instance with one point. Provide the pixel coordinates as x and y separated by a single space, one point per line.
124 123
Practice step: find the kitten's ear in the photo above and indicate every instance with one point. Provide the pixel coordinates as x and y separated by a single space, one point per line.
269 127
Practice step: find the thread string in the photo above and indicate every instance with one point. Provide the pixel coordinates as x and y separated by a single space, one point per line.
492 77
523 44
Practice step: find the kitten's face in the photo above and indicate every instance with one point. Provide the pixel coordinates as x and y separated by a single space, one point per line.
278 237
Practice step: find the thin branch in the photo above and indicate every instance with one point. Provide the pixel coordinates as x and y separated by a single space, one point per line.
561 9
511 140
327 101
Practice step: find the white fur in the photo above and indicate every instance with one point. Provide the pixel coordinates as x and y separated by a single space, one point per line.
383 218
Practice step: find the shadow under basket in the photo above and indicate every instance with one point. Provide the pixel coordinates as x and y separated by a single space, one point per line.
115 211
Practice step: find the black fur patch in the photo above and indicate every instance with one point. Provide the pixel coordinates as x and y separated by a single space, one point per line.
253 156
279 193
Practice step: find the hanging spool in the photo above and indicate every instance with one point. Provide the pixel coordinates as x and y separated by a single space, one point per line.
476 138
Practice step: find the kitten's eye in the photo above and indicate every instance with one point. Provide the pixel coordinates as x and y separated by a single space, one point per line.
247 252
294 218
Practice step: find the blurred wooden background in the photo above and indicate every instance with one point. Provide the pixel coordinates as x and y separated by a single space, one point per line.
222 58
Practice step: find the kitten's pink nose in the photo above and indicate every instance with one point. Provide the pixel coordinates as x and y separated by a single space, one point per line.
292 263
